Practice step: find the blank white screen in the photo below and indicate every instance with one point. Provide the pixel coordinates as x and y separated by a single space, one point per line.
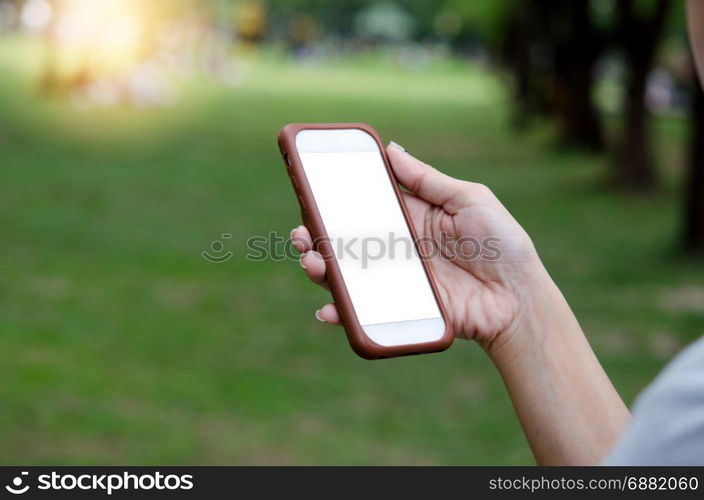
356 199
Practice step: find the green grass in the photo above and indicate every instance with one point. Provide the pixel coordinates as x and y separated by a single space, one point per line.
120 344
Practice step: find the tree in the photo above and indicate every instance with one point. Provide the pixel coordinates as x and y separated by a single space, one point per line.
577 46
523 50
694 183
639 31
552 48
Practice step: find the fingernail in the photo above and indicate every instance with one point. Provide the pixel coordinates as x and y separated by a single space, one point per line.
396 145
317 316
296 241
300 261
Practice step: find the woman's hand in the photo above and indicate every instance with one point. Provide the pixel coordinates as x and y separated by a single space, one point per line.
484 295
568 408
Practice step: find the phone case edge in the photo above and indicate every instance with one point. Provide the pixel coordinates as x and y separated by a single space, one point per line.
360 343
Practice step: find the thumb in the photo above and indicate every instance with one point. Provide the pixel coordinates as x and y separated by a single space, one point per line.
426 182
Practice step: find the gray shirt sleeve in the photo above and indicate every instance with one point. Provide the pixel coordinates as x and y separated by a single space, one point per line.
668 417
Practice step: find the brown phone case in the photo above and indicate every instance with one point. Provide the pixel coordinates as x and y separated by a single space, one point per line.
360 343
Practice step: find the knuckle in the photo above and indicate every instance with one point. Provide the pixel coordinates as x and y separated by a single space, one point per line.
478 189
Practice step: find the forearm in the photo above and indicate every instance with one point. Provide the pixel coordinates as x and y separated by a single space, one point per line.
567 406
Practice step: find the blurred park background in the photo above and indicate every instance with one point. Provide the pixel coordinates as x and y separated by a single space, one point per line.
135 134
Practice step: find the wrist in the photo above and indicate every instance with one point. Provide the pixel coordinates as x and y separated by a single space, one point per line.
568 408
541 310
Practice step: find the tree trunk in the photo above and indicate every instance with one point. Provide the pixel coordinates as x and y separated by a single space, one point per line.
636 155
578 117
520 55
639 35
694 194
576 52
524 36
552 48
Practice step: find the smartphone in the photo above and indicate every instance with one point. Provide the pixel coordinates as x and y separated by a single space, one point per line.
351 204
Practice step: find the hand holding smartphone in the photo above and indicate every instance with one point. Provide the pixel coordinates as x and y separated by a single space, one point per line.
351 205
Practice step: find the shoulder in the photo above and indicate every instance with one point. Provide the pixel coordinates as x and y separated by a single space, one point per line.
668 417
